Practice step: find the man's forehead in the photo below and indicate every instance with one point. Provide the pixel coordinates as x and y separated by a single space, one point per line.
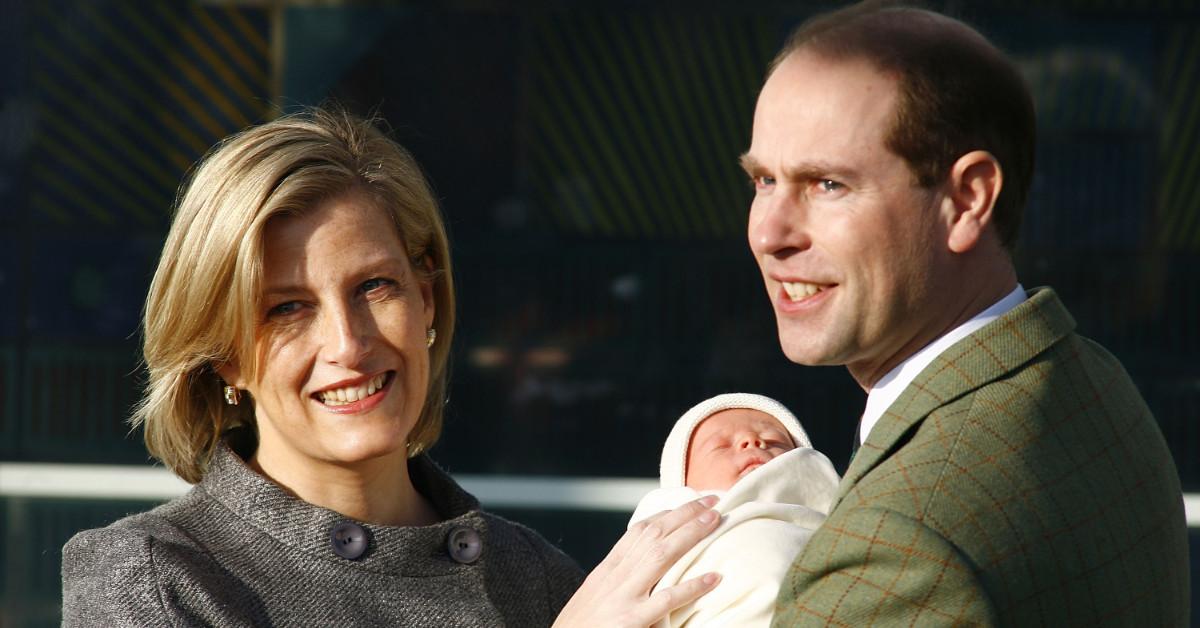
815 107
808 77
810 58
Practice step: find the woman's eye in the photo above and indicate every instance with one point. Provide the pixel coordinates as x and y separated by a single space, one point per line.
375 283
377 289
284 309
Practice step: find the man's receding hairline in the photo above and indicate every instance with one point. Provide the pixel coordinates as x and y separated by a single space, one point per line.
848 58
928 20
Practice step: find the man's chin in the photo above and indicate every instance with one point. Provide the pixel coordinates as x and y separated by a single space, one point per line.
805 353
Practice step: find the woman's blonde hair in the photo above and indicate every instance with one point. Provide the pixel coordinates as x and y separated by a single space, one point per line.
203 304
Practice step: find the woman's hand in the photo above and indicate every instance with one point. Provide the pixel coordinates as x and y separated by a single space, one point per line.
617 592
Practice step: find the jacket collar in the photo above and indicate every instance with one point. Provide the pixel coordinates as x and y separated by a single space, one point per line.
263 505
986 355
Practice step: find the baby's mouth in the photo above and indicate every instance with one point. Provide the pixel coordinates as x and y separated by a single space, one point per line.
750 466
350 394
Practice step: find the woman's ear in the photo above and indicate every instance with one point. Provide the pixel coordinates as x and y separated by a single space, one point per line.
974 184
232 375
425 284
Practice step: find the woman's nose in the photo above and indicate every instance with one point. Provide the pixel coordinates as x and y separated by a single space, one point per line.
345 341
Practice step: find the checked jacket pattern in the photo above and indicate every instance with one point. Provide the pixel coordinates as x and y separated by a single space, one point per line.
1020 480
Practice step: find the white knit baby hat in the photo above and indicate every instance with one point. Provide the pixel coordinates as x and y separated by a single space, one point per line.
672 468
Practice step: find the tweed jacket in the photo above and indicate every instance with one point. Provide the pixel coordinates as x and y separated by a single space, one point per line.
238 551
1019 480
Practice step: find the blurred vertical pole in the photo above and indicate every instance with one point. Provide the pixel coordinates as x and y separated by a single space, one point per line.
20 16
278 44
17 596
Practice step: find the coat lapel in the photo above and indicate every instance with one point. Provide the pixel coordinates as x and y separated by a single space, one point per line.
985 356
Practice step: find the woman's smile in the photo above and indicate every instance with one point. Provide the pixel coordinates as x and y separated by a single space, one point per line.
357 395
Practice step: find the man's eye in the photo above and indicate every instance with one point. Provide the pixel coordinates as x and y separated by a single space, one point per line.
761 182
829 185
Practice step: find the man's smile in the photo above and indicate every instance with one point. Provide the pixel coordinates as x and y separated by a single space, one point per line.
797 290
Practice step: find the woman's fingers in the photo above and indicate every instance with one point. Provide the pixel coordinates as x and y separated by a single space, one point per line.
617 592
663 539
662 602
624 544
646 535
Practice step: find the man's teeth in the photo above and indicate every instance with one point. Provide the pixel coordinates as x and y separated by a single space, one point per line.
799 290
350 394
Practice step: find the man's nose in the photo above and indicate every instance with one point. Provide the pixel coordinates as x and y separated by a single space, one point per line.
777 225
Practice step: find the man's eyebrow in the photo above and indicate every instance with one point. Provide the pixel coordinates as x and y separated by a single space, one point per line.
806 171
813 170
749 164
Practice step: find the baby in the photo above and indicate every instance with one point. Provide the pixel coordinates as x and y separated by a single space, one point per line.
774 489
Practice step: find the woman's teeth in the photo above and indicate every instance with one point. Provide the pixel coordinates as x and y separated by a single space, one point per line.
350 394
797 290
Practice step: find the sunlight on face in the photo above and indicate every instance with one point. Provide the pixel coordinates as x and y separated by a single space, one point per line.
847 243
344 365
731 443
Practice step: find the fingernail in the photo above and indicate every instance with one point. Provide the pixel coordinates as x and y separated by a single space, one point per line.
708 501
707 516
710 578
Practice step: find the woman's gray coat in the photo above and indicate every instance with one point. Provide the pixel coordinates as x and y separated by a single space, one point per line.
238 551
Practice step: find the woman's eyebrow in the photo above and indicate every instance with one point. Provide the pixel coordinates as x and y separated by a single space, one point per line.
282 290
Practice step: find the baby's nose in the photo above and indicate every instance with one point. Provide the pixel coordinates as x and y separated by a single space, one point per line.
752 442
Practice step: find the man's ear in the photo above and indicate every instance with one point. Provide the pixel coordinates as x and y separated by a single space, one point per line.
972 188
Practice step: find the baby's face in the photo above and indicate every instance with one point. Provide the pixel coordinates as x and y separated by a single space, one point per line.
730 444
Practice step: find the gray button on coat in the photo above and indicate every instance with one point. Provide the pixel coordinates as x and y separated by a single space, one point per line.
238 551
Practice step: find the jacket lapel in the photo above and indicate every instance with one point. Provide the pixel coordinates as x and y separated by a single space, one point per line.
985 356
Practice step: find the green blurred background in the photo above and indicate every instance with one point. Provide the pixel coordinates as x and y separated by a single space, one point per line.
585 157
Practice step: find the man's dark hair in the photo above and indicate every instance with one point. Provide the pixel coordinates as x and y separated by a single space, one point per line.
957 93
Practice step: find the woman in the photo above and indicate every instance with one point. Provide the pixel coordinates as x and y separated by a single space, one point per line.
296 337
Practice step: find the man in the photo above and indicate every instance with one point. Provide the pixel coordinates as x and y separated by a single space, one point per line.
1009 470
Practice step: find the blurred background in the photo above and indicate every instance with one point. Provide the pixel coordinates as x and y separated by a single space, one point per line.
585 155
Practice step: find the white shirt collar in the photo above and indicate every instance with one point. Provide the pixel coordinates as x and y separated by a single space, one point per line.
888 388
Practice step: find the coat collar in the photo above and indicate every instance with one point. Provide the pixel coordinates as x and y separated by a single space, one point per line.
263 505
986 355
